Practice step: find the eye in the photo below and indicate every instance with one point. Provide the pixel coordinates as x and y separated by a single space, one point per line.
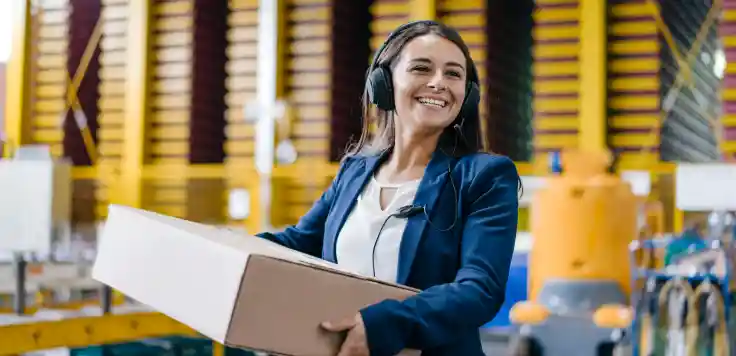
454 73
420 68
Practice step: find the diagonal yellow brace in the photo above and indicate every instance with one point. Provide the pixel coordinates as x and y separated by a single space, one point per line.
667 34
688 63
72 100
89 51
684 75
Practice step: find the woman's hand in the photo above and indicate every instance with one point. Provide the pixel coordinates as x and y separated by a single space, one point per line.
355 343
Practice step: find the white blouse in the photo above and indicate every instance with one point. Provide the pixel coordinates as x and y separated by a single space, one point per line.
356 240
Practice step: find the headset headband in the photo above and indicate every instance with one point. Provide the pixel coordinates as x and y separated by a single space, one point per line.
399 30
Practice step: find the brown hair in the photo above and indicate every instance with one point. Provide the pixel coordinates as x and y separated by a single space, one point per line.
461 137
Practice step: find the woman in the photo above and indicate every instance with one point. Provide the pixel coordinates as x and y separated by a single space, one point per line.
418 204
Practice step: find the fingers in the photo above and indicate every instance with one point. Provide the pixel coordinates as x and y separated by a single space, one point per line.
354 343
339 325
344 350
351 346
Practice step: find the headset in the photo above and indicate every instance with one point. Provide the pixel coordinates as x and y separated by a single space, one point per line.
379 84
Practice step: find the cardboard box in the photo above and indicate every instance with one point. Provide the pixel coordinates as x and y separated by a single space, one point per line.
239 290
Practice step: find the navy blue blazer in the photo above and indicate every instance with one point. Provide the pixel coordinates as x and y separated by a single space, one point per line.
462 272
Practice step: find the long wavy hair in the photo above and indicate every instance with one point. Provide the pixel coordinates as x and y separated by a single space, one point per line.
463 136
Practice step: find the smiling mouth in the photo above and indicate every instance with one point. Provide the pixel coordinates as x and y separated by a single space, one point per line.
433 102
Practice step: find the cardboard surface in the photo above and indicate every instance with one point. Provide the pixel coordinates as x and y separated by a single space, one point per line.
37 205
234 288
705 186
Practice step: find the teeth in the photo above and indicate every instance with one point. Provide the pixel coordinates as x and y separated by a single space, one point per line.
435 102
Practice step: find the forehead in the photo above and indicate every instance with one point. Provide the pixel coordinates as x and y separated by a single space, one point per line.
435 48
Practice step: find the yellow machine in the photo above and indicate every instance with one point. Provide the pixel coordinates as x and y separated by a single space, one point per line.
579 267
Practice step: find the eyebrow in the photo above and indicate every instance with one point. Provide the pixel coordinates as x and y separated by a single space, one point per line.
427 60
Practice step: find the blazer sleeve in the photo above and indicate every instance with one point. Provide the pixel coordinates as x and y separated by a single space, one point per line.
308 234
441 314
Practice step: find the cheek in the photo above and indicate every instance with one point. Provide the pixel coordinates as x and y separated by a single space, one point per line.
403 95
459 94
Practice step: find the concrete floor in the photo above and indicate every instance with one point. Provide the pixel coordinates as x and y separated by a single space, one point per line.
496 343
501 344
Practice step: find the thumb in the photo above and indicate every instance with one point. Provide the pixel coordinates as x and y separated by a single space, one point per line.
339 325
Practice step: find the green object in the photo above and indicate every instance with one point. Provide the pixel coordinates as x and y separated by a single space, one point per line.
171 346
688 243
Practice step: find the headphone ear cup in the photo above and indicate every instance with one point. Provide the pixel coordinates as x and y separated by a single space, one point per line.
472 99
474 94
380 89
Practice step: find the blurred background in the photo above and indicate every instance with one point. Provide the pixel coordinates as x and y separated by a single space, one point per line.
236 112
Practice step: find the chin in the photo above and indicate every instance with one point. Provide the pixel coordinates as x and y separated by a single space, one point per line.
437 118
433 123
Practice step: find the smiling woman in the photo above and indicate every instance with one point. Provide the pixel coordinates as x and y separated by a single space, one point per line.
439 95
418 204
424 62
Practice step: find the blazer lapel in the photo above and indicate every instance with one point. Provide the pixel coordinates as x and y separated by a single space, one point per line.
345 201
427 196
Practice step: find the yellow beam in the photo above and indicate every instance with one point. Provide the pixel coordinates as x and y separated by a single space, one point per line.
16 339
18 80
423 10
592 104
129 189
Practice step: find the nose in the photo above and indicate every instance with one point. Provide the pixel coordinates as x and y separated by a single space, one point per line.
436 82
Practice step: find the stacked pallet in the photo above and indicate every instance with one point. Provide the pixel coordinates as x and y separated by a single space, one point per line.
49 58
351 47
687 133
469 19
633 83
556 81
172 45
241 80
387 16
111 104
208 108
60 32
326 58
309 74
240 85
509 80
187 109
728 35
84 15
207 114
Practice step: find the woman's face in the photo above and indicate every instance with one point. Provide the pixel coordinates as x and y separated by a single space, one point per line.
429 84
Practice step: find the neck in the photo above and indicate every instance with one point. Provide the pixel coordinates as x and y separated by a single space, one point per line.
412 151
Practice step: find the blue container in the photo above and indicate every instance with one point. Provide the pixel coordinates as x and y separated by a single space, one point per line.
516 291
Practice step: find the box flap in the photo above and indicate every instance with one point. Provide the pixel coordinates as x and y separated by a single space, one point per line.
179 268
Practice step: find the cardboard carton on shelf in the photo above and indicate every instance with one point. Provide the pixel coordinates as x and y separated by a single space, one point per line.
239 290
